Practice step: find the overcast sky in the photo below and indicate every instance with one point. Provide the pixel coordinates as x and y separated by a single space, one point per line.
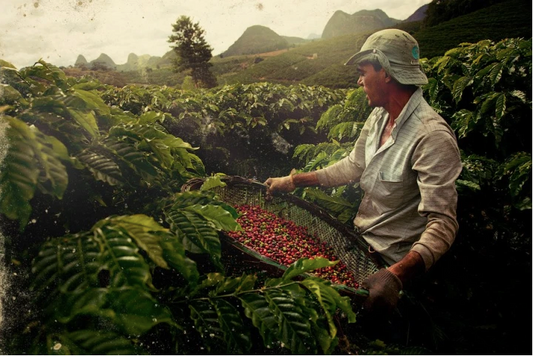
59 30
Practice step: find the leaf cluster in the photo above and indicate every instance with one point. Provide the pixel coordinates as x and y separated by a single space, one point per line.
144 273
484 90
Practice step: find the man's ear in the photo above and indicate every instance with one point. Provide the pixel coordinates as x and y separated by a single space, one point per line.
386 75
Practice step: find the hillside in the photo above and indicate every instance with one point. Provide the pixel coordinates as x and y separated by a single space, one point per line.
503 20
321 62
290 60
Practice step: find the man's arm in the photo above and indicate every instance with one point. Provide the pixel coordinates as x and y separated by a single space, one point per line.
438 163
347 170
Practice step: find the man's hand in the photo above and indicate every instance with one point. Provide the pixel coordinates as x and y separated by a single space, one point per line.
289 183
280 184
385 285
384 291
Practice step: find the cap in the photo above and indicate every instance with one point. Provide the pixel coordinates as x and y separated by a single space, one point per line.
397 52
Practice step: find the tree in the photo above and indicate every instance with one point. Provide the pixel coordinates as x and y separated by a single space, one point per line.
192 51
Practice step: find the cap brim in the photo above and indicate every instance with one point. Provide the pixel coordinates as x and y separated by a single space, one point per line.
358 57
409 75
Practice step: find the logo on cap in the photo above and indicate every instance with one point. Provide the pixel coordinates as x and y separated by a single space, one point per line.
416 53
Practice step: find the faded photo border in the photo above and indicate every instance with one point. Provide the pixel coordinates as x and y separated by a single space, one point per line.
4 284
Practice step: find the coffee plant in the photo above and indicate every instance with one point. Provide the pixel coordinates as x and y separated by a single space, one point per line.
106 255
109 257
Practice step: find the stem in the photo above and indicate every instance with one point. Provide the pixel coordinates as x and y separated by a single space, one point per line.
259 290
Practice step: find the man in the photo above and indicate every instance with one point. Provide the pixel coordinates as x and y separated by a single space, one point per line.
406 160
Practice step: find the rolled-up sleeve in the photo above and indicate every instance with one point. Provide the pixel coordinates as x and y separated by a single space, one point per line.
437 162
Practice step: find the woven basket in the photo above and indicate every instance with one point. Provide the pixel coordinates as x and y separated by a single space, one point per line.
349 247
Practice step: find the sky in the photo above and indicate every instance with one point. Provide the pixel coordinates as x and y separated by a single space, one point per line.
59 30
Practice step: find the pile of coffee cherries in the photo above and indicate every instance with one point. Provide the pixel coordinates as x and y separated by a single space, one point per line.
285 242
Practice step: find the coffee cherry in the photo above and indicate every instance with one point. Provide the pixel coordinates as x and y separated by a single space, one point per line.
285 242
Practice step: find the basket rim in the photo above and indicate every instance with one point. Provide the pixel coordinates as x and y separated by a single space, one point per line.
354 237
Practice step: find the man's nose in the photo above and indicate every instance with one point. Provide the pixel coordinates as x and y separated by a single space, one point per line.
360 81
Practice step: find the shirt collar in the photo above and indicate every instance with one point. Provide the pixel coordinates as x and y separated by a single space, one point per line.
408 109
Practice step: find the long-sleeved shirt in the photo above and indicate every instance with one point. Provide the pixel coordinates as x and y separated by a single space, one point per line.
410 199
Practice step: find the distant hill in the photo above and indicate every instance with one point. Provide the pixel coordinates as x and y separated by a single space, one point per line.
295 40
257 39
362 21
506 19
104 60
134 62
418 15
81 61
321 62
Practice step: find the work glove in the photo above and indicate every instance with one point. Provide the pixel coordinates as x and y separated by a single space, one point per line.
384 291
280 184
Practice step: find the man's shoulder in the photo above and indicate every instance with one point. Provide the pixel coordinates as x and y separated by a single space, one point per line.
427 120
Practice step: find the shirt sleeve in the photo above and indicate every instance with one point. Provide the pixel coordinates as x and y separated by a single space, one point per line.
349 169
438 163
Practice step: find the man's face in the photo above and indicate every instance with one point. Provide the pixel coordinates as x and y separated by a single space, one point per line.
373 84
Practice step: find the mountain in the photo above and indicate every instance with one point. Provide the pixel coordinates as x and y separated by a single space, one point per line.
342 23
104 60
320 62
418 15
257 39
134 62
80 61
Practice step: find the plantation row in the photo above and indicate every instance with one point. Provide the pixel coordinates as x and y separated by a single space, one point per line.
108 255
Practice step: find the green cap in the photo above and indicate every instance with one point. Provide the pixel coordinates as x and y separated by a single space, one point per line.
397 52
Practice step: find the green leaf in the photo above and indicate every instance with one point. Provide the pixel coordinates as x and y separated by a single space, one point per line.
85 120
304 265
229 285
19 173
68 265
174 254
220 218
128 154
206 323
329 299
501 106
197 233
496 73
102 167
465 183
212 182
459 86
236 335
93 342
146 232
463 122
91 101
33 161
136 311
256 308
89 301
294 329
121 257
518 168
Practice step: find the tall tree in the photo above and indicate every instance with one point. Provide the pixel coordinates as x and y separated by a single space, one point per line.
192 51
